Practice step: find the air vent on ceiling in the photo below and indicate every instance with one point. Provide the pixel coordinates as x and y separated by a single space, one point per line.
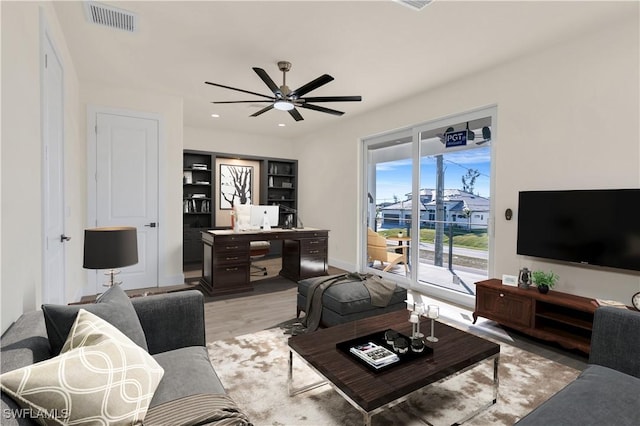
101 14
415 4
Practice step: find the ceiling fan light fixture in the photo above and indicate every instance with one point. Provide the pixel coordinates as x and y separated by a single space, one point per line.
283 105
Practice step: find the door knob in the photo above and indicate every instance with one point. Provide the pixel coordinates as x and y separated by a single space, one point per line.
151 225
64 238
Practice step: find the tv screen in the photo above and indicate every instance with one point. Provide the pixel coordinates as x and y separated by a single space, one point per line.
595 227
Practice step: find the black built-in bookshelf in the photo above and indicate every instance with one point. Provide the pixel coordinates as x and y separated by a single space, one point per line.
277 180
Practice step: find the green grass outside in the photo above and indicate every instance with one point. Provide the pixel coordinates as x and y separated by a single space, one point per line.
461 237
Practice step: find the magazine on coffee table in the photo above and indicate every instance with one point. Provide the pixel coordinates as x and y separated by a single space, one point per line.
379 348
375 355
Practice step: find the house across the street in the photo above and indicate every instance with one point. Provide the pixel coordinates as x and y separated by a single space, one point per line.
461 209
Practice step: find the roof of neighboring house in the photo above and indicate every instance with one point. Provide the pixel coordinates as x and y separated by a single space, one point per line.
455 199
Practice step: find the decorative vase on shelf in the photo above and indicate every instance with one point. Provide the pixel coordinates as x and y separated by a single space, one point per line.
543 288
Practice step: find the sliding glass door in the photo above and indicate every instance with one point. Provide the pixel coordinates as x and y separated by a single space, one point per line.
428 204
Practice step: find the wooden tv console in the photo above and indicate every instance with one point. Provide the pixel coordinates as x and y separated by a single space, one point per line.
558 317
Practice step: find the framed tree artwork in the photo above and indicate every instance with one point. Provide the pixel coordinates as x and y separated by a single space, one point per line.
235 185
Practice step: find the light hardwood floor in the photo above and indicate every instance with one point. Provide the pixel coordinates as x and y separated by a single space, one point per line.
272 302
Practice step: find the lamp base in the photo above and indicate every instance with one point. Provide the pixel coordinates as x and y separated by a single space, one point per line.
112 273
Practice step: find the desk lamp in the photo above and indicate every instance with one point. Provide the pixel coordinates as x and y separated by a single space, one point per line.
110 248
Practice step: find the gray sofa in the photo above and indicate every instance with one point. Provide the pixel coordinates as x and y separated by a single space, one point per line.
607 392
173 326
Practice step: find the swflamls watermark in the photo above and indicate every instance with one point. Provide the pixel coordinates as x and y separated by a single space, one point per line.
30 413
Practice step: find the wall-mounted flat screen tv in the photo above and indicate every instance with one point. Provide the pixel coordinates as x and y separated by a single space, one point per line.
594 227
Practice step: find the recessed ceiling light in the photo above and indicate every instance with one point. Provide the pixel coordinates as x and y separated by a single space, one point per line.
215 115
281 125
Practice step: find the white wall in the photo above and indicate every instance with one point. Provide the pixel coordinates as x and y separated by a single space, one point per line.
21 228
170 109
568 117
237 143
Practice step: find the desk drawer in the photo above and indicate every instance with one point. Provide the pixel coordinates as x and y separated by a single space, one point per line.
231 246
230 252
231 258
229 279
312 265
313 246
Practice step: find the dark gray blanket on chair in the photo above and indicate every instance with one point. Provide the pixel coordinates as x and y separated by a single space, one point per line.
380 290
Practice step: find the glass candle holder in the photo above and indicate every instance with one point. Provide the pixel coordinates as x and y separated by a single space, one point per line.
433 312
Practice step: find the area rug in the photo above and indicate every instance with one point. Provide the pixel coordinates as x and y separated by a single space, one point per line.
253 369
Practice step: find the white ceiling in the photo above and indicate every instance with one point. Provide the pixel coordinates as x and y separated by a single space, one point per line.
381 50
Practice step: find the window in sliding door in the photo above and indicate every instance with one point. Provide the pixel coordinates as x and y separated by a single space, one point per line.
389 218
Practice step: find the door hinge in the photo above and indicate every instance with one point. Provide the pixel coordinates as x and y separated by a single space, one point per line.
46 60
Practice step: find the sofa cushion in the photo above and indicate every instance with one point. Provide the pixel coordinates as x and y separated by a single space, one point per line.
100 374
599 396
187 371
112 306
349 297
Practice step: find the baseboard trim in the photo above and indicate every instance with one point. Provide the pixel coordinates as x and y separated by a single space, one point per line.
342 265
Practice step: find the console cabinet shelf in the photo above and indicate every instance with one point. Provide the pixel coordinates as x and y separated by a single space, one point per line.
558 317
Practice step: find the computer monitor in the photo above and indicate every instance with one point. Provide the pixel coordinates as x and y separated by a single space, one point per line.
258 214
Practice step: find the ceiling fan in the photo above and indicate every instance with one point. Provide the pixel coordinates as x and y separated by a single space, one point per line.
286 99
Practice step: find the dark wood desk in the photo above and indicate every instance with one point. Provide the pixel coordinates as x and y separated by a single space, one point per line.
226 264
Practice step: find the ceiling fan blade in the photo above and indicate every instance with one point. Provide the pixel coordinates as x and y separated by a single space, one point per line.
240 102
268 81
239 90
312 85
295 114
333 99
321 109
262 111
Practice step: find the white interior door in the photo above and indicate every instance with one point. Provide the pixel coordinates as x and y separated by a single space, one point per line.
127 188
53 271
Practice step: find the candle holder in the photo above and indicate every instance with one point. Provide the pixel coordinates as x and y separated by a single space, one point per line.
414 319
418 308
433 312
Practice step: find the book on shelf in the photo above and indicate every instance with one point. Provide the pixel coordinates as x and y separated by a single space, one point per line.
375 355
199 166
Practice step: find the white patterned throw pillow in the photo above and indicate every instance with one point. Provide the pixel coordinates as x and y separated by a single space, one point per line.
100 377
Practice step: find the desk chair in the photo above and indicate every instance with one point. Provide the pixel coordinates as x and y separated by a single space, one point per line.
257 249
377 250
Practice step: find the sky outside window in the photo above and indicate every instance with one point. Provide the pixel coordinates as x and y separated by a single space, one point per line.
394 177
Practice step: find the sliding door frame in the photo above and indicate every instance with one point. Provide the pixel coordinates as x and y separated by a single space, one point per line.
368 181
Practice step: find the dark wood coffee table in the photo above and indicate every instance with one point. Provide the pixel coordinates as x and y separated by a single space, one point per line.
371 392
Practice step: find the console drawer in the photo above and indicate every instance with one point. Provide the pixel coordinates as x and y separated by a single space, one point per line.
504 307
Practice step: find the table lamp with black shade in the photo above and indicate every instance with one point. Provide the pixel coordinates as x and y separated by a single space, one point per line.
110 248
